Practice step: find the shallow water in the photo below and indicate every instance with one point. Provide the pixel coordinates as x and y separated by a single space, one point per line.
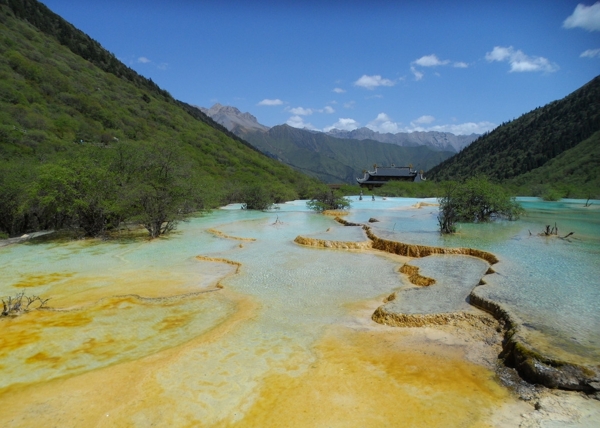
134 343
551 284
455 277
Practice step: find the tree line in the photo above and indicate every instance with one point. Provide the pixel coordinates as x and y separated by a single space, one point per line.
95 190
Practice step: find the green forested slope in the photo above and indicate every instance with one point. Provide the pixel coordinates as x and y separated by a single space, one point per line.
60 109
573 173
87 48
46 21
337 160
530 141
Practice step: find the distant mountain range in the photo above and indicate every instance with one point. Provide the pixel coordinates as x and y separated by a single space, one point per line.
554 147
339 156
241 123
437 140
552 151
337 160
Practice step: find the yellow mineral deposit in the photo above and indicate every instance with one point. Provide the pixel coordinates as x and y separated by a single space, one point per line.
224 235
326 243
169 348
36 280
420 320
114 394
420 205
364 377
370 379
354 379
69 290
221 260
335 213
414 276
414 250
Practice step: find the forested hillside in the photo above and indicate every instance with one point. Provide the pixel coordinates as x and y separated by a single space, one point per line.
87 142
529 142
337 160
573 173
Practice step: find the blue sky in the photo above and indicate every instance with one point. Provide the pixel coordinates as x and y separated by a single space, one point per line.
393 66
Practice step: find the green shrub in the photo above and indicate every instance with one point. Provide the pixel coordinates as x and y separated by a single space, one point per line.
475 200
551 195
328 200
256 197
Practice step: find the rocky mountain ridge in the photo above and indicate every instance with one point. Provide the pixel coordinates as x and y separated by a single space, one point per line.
241 123
434 139
232 118
337 160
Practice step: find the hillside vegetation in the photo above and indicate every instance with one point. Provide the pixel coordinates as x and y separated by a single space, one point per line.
337 160
75 122
532 141
573 173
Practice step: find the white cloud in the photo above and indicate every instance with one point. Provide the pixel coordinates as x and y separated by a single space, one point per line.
424 119
417 73
301 111
339 90
458 129
586 17
519 61
384 124
465 128
371 82
298 122
532 64
499 53
590 53
349 104
430 61
144 60
344 124
268 102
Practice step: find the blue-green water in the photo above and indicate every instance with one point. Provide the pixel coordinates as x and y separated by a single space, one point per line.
286 296
296 293
455 276
551 284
